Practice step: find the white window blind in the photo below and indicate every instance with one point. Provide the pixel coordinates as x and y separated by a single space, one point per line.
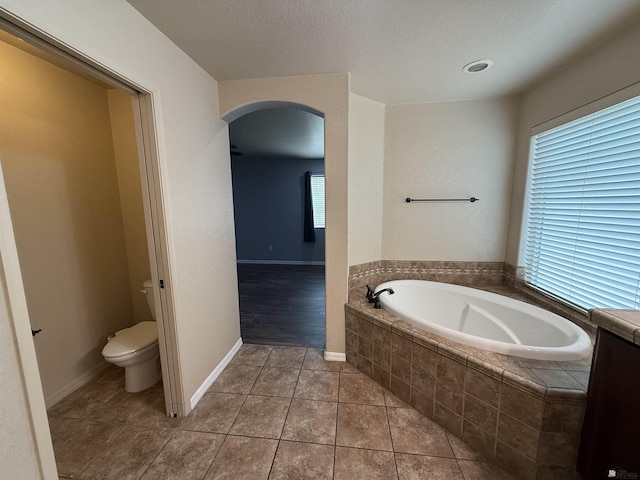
582 237
317 200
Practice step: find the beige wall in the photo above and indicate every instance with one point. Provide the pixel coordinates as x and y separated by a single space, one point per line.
61 182
448 150
193 151
328 94
366 167
128 170
609 68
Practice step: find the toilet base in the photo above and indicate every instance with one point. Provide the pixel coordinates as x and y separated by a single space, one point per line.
143 375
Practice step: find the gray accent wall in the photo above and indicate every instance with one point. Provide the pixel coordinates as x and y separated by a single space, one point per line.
268 199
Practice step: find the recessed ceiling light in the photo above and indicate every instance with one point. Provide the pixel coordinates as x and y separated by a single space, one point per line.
477 66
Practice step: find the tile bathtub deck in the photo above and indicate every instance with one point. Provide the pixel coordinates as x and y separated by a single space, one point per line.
274 413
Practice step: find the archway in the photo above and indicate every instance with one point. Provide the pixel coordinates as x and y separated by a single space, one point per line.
326 95
277 154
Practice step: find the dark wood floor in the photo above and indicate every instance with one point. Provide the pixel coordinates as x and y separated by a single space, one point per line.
282 304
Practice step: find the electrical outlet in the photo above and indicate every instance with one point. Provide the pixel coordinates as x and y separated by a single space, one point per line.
270 248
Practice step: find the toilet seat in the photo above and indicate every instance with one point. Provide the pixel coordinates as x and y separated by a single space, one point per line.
131 340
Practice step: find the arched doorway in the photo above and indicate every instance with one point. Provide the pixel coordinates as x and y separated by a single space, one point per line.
277 165
327 95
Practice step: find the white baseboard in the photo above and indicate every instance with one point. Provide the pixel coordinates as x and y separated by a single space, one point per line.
282 262
68 389
335 357
215 374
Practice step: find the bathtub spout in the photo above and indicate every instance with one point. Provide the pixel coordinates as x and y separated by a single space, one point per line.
375 297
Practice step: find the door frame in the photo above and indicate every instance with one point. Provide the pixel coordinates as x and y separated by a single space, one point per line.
19 322
155 223
145 117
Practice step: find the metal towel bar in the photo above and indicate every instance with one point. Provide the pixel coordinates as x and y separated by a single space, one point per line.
472 199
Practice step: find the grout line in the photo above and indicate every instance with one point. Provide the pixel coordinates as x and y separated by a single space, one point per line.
454 454
335 438
393 448
158 454
275 454
216 456
286 417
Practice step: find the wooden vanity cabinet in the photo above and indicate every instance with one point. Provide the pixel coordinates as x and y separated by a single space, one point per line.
610 441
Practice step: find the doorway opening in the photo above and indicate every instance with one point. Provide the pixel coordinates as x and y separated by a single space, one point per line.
277 165
81 176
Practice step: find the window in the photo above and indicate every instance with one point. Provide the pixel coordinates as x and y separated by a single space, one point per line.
582 226
317 200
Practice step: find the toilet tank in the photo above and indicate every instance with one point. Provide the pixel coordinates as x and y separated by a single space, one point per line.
148 291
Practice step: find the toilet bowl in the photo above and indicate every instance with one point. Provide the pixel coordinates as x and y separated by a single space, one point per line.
136 349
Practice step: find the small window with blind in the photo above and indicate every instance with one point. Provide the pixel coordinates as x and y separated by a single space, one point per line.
582 223
317 200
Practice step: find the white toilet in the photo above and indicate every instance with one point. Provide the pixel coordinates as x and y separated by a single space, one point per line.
136 349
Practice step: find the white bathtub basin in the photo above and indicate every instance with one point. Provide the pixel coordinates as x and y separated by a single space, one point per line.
485 320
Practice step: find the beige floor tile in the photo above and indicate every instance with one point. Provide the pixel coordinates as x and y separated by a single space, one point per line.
188 455
418 467
261 417
86 401
215 413
359 464
236 379
61 427
143 408
243 458
358 388
77 442
314 360
311 421
415 433
127 455
249 354
482 471
302 461
286 357
318 385
348 368
363 426
462 451
129 469
128 436
111 374
276 382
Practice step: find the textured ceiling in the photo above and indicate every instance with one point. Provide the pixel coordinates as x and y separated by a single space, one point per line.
406 51
282 132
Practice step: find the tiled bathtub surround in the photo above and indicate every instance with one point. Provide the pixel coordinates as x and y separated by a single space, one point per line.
525 415
484 275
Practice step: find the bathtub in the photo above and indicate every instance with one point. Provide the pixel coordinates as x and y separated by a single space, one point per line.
485 320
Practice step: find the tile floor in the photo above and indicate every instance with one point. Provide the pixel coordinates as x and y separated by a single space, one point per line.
274 413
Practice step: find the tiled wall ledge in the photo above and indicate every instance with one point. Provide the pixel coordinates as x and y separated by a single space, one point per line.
463 273
524 415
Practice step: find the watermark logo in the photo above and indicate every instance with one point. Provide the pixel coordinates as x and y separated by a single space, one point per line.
622 473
